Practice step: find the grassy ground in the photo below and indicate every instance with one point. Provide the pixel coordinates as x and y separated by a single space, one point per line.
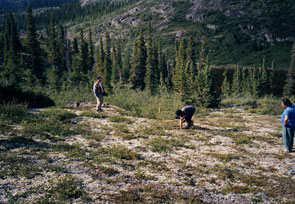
55 155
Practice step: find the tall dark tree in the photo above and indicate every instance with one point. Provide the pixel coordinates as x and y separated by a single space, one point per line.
33 59
115 67
202 63
90 50
126 68
151 82
83 54
107 75
237 86
53 56
271 79
206 94
99 59
75 46
179 75
225 88
138 63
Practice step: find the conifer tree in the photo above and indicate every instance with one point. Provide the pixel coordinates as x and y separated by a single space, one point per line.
99 61
225 88
255 81
151 71
115 68
119 61
75 46
1 48
162 66
83 54
90 50
272 79
138 63
246 84
206 95
290 83
53 56
61 44
126 68
237 82
179 76
11 52
34 61
107 75
264 85
202 63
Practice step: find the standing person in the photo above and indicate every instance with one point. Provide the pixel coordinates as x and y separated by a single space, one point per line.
99 92
185 115
288 123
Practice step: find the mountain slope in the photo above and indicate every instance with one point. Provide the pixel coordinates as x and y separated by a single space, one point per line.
237 32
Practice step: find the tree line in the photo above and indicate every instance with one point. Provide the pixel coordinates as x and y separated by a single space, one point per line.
55 61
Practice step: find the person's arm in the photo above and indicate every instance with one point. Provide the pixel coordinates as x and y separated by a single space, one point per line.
286 121
182 120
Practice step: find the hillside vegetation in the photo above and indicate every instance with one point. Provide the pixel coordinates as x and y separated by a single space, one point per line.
77 155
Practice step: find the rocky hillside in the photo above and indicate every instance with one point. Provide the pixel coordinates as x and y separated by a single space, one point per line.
237 32
80 156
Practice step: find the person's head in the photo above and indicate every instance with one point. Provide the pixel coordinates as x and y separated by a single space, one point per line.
98 79
178 114
286 103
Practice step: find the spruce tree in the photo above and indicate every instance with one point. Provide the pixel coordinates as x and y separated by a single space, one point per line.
75 46
179 76
119 61
90 50
264 85
126 68
53 56
162 66
237 82
61 44
115 67
290 83
138 63
33 59
151 67
206 94
83 54
99 61
271 79
225 88
202 63
107 75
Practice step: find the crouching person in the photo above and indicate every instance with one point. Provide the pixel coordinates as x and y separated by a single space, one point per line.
185 115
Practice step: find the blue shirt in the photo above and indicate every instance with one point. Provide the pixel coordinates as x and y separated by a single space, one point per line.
290 112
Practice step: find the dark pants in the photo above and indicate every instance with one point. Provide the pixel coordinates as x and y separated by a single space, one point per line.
288 136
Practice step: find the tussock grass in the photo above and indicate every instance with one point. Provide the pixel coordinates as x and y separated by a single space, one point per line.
160 144
66 188
120 119
56 114
91 114
120 152
13 113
